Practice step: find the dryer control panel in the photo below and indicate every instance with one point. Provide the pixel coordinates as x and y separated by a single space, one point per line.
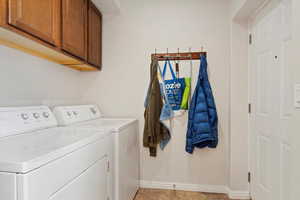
67 115
17 120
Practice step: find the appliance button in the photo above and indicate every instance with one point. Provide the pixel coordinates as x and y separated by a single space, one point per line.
24 116
36 115
93 110
46 114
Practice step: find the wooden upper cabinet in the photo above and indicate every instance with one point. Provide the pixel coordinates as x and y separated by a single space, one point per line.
94 36
74 27
68 32
41 19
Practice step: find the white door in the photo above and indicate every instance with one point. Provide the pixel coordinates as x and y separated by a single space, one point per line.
271 98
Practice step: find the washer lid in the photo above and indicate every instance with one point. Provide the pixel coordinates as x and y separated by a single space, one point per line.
23 153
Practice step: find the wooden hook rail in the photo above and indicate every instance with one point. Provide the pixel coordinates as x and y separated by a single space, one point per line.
178 56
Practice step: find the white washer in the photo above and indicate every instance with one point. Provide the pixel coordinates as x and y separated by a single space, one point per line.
126 146
39 161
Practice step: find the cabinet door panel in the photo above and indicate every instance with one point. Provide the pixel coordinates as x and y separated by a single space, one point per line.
74 27
95 36
38 18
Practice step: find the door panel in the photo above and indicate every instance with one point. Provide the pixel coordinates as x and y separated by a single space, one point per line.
285 172
263 163
95 36
38 18
74 27
263 92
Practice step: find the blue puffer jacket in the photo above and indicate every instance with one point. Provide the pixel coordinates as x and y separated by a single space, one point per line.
203 120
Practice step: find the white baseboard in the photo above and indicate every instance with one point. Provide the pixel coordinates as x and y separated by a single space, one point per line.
233 194
195 188
184 186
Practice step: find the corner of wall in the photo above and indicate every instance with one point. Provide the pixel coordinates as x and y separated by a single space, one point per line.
238 165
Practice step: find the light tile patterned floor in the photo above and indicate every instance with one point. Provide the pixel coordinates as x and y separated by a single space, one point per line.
156 194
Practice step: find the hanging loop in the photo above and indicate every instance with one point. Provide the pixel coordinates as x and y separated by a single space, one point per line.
202 48
190 50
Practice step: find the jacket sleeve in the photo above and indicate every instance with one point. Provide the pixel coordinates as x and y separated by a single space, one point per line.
189 147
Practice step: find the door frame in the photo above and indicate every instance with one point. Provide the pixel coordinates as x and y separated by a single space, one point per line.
251 23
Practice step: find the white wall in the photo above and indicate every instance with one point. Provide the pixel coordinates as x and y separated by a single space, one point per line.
242 9
28 80
294 123
129 40
238 169
236 6
239 108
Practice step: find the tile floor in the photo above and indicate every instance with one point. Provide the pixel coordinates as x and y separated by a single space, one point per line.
157 194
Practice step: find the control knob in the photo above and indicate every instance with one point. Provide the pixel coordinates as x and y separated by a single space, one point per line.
36 115
24 116
46 114
93 110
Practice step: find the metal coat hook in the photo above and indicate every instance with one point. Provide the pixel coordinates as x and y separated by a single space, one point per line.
178 55
177 64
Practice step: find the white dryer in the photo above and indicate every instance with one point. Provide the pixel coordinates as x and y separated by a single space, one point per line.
39 161
126 146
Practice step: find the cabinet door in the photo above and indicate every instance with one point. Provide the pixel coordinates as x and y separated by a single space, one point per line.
38 18
94 36
74 27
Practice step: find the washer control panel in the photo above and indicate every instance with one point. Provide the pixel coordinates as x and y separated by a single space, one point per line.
17 120
67 115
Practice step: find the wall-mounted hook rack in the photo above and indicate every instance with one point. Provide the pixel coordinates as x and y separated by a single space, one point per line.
178 56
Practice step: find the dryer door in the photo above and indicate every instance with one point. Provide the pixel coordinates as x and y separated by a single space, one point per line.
92 184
